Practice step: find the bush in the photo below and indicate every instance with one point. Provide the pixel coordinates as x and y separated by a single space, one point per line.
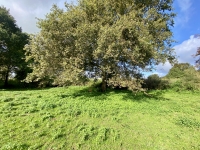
164 84
188 80
184 85
154 82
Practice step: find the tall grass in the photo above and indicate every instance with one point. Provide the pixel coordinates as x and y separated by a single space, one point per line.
82 118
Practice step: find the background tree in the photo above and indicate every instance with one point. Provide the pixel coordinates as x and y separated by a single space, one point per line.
154 82
113 40
183 76
12 41
198 60
179 70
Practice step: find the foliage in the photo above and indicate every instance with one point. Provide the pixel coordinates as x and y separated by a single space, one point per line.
111 40
12 41
154 82
198 60
183 76
179 70
76 118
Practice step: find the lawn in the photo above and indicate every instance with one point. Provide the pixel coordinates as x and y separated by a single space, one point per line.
80 118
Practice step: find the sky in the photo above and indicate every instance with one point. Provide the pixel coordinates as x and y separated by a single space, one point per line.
186 32
187 24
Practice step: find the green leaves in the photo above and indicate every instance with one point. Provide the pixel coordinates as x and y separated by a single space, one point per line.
102 37
12 41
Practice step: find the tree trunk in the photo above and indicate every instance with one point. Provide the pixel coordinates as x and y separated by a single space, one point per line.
104 83
6 79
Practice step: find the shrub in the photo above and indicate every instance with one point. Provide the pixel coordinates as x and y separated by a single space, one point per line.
154 82
183 76
190 80
184 85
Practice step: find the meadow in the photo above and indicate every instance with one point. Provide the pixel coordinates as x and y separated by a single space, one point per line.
82 118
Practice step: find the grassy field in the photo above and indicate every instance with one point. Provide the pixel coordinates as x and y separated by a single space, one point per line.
78 118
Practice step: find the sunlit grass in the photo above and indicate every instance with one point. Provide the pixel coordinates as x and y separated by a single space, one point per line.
79 118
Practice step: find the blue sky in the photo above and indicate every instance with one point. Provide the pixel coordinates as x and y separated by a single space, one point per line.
187 24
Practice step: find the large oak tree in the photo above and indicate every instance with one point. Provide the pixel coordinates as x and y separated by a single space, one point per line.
112 39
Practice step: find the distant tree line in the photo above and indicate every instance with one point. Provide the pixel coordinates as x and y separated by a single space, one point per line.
182 76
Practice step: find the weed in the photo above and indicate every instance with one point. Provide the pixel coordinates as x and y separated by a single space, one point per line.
15 146
47 116
7 99
188 122
102 135
57 134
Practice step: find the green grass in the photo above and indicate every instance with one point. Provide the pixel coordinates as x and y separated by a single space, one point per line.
79 118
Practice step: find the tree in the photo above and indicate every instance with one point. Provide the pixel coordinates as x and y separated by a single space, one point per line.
179 70
198 60
112 39
152 82
12 41
184 76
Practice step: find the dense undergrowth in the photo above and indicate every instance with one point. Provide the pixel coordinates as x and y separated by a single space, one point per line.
83 118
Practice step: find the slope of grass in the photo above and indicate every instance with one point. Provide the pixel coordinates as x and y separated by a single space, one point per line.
79 118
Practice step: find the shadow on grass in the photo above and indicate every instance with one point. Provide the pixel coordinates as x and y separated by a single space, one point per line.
23 89
157 95
127 95
91 92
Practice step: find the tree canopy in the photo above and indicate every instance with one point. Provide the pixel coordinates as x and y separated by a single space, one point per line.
12 42
179 70
114 40
184 76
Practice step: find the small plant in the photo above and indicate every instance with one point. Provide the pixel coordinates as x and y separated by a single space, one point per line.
15 146
102 135
47 105
188 122
8 99
34 125
57 134
47 116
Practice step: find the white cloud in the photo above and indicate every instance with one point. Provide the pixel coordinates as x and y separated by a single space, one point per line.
163 69
25 12
185 11
184 51
184 5
187 49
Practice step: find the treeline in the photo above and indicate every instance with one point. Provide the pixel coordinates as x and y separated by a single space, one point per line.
182 76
